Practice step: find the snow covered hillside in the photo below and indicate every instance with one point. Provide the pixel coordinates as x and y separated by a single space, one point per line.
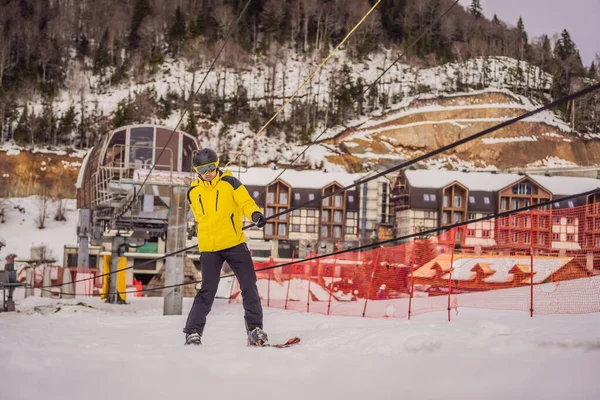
265 83
69 350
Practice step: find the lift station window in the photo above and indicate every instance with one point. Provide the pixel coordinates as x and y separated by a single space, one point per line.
115 151
141 145
169 141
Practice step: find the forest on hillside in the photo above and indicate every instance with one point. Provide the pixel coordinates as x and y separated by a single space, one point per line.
121 40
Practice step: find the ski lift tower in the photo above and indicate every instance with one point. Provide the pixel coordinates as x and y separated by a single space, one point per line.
132 187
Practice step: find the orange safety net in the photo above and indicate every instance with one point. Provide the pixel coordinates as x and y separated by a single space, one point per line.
540 261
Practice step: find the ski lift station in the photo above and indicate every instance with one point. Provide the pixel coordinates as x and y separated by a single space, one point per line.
131 192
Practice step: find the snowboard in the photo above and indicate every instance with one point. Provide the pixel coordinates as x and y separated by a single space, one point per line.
291 342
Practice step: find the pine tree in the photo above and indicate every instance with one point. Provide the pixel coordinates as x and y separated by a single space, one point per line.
495 20
476 9
191 126
177 31
141 10
592 71
101 55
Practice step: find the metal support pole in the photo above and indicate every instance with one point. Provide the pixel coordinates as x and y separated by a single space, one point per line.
83 231
173 303
113 296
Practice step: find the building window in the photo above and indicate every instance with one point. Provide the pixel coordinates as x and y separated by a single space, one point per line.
432 197
283 217
324 231
556 220
310 213
485 233
514 204
446 201
296 196
326 202
514 221
504 203
350 199
283 198
557 204
522 188
325 216
350 214
311 196
515 237
445 217
526 237
542 239
310 228
570 221
430 215
338 201
471 216
282 230
426 197
337 231
471 232
271 197
457 218
472 199
527 222
457 202
337 216
255 194
542 222
597 241
486 200
269 229
349 230
270 211
555 236
296 213
570 203
570 237
295 228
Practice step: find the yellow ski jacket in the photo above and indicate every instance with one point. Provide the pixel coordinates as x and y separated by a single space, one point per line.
218 207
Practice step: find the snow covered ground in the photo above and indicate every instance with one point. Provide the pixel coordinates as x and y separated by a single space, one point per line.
21 232
59 350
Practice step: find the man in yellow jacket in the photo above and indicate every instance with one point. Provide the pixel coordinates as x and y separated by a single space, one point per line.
219 201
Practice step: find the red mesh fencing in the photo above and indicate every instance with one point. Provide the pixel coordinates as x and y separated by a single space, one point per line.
541 262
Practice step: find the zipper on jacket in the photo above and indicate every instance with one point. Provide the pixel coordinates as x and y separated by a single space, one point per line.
232 223
217 202
201 205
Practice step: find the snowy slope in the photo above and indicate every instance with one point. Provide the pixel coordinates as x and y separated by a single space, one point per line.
21 233
133 352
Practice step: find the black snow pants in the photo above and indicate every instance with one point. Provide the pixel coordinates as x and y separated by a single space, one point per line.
240 261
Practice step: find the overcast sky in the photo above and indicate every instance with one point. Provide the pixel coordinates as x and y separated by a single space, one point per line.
580 17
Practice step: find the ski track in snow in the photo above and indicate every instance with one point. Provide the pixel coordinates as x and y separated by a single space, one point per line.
133 351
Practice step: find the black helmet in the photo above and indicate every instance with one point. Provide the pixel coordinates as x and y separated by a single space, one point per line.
204 156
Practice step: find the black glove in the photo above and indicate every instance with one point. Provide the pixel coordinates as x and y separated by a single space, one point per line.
259 219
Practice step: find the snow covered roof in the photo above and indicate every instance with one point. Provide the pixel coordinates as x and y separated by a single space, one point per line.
487 181
543 267
484 181
567 185
312 179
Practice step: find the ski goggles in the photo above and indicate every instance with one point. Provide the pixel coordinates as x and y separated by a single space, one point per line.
207 168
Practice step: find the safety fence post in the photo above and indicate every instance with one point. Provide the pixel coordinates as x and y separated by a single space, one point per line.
331 288
453 232
412 278
531 258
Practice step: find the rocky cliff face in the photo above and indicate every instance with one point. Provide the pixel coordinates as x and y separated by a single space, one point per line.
426 125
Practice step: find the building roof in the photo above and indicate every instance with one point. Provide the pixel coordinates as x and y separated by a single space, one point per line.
489 182
309 179
499 266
